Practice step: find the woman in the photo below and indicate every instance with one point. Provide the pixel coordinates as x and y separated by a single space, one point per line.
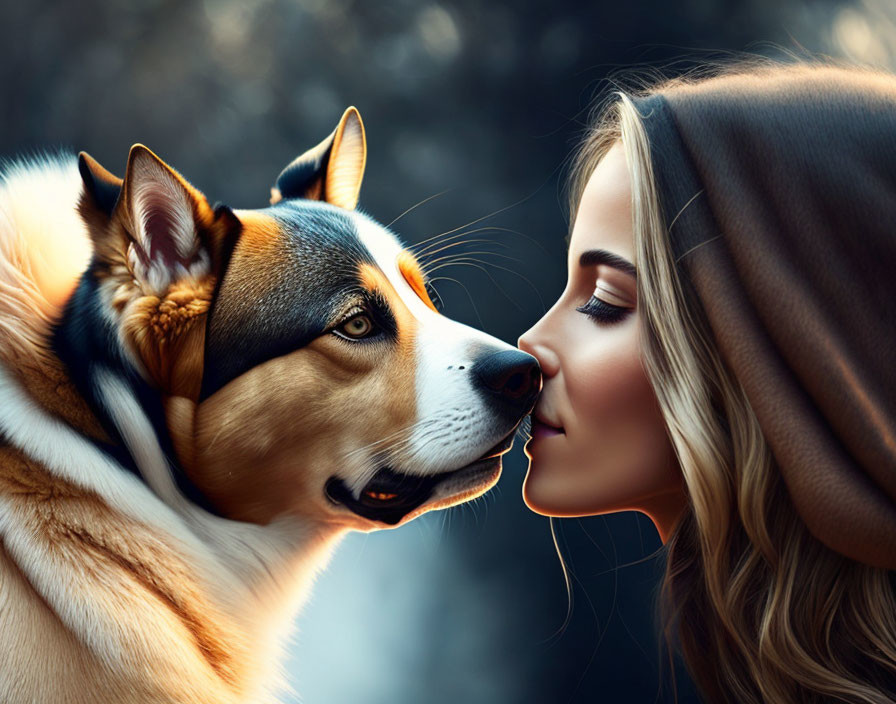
723 359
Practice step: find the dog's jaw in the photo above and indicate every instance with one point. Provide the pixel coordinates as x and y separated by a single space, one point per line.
391 498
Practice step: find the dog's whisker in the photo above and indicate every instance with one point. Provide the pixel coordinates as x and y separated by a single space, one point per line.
409 431
454 256
425 251
417 205
457 256
421 440
370 445
480 265
478 240
435 294
484 217
516 232
380 441
440 237
459 261
466 290
453 239
448 260
473 251
419 431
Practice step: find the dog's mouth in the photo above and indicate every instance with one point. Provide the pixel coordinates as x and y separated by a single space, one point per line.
391 495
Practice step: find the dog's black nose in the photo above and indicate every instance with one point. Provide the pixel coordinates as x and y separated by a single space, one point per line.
512 376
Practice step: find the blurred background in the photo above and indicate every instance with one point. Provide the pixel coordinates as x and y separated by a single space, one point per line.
478 104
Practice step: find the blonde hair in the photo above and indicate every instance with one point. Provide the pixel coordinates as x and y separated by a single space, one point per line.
761 610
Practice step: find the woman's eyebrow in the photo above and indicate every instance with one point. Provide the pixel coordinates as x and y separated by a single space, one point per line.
592 257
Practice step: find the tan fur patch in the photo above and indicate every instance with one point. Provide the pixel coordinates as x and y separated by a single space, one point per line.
150 578
168 335
260 235
44 248
413 274
49 385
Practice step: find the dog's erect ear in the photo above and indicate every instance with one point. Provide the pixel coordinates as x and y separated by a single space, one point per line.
332 171
162 213
101 186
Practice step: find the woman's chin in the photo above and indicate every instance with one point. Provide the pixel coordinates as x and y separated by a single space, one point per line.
551 489
533 501
547 495
548 488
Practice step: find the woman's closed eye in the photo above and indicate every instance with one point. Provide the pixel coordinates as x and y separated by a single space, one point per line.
603 312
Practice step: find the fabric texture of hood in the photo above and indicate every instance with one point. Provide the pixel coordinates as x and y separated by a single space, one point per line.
779 191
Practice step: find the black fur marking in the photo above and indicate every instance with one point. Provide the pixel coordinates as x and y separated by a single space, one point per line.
105 193
381 313
225 253
86 341
318 272
300 176
411 492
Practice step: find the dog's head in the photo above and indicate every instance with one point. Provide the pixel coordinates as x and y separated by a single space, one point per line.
302 365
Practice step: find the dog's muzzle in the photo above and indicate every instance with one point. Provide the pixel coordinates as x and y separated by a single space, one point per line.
509 381
390 495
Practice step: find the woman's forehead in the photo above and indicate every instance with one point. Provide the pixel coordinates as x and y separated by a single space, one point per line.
604 216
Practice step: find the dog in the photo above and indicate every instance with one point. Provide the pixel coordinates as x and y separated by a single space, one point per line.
197 402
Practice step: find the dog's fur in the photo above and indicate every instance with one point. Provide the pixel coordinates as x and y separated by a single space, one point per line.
196 403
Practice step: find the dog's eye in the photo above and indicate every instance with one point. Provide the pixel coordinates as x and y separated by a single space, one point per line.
356 328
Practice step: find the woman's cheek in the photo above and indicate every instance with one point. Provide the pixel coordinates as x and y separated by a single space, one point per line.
616 432
605 384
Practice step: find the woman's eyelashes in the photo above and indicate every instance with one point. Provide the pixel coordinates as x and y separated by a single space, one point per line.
603 312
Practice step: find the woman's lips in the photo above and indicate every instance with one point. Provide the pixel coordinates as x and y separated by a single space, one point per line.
540 429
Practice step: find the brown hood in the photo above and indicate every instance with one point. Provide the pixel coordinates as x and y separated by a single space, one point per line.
780 191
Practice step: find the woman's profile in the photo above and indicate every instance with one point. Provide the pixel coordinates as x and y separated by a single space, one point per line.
723 359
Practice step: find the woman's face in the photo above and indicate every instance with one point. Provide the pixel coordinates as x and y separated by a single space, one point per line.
599 443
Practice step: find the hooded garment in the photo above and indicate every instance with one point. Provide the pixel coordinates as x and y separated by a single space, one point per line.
778 189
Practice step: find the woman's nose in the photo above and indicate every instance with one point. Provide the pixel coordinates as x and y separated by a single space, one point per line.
548 360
